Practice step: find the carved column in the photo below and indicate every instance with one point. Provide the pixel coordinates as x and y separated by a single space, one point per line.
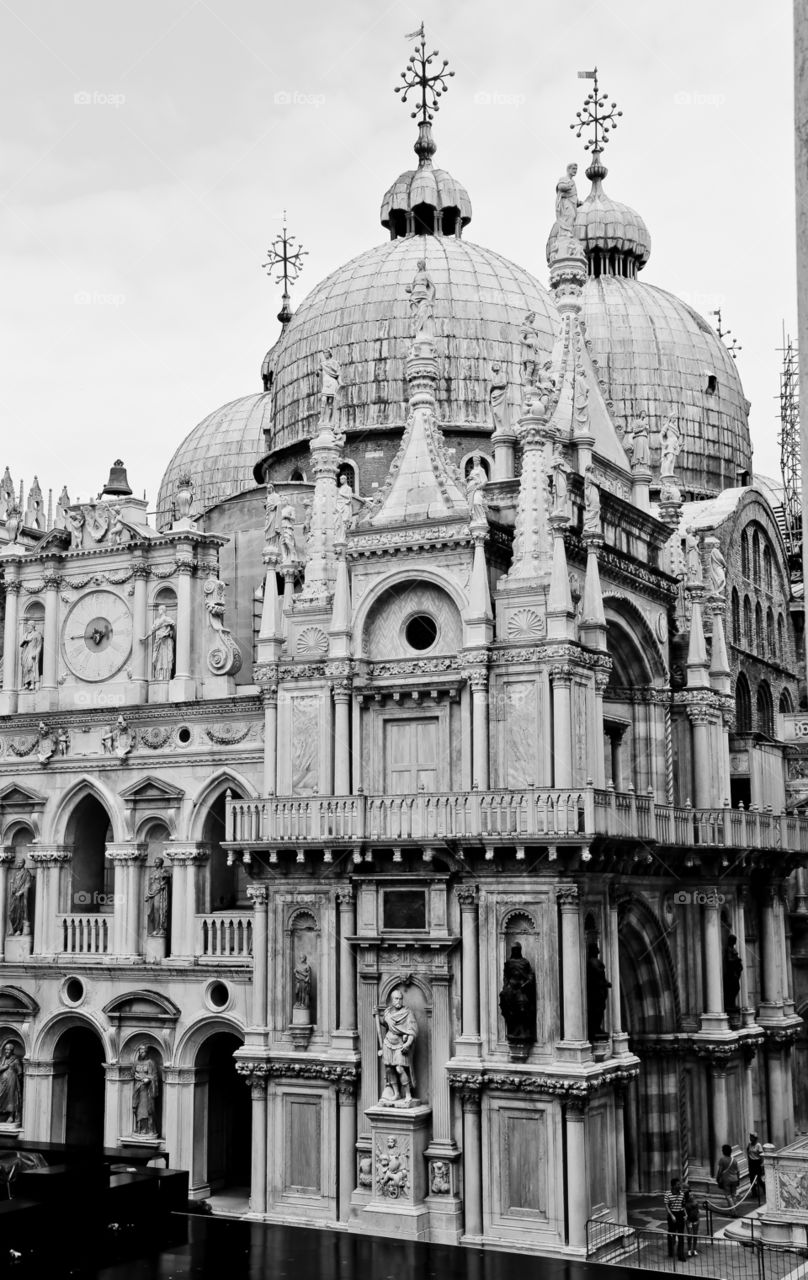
572 1000
747 1014
577 1180
258 1176
479 697
469 1043
269 695
619 1037
6 865
441 1052
140 649
346 1099
128 861
185 569
8 702
342 737
347 961
472 1163
49 864
259 896
50 648
597 751
562 726
772 993
620 1149
714 1018
720 1105
185 862
701 719
369 1080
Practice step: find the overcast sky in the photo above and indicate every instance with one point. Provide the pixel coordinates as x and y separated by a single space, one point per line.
149 149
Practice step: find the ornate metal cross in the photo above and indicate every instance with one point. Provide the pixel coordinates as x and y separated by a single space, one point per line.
595 115
419 76
284 253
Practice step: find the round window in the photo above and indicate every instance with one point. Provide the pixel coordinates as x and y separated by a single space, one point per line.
218 994
73 990
421 631
184 735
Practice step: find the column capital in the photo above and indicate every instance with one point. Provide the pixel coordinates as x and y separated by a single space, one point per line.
346 1093
126 851
259 895
13 585
346 898
55 855
468 895
187 854
8 854
576 1109
567 896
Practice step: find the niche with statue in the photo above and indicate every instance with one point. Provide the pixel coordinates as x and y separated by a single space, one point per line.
303 950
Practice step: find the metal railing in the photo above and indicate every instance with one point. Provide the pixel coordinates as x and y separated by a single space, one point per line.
652 1249
540 813
85 935
226 935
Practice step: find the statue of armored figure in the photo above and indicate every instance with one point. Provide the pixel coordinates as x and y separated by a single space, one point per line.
517 999
396 1051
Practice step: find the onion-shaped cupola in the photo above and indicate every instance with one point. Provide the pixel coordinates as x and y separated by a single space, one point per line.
425 201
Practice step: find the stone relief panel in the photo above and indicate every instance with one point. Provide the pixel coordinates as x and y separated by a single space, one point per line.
388 634
305 741
518 728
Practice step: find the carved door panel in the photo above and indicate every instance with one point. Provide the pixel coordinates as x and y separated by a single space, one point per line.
411 756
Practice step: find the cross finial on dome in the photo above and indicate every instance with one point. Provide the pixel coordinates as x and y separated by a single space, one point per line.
601 117
430 82
285 256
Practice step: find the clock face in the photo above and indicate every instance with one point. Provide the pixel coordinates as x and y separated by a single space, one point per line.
97 635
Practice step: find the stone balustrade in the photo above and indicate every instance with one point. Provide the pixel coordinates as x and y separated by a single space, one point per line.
519 816
85 935
225 935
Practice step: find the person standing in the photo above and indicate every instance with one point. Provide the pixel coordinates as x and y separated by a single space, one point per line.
728 1175
692 1215
675 1210
754 1158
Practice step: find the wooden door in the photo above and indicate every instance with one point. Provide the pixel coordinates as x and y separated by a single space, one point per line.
411 756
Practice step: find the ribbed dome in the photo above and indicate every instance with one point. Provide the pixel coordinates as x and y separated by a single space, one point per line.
218 455
656 353
362 312
607 225
434 188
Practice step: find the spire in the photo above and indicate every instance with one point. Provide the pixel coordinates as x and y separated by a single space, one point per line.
269 636
560 613
428 81
285 256
601 119
340 630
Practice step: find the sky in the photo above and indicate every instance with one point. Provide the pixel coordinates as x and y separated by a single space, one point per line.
150 150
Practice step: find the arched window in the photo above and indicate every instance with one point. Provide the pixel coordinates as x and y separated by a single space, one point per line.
349 469
756 557
748 636
771 651
743 705
765 710
759 630
736 617
745 554
767 568
781 638
786 705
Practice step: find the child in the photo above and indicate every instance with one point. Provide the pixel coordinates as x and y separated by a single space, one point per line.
728 1175
692 1214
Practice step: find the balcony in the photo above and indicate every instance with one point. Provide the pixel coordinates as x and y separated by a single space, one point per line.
547 814
84 935
225 936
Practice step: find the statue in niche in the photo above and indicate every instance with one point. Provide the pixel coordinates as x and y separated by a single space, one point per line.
693 564
592 524
46 744
561 469
395 1051
343 508
422 303
63 742
517 999
288 545
439 1183
162 632
733 968
637 441
531 353
329 386
567 202
31 656
19 907
123 738
498 398
718 569
475 481
75 523
108 740
303 984
145 1091
157 895
597 992
10 1083
670 443
272 524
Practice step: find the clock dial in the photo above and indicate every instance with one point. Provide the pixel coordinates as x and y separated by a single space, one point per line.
97 635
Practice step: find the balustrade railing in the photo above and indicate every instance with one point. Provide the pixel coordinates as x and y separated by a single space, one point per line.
85 935
226 935
541 813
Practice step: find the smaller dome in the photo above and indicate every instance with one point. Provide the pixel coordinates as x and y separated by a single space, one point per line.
425 201
615 239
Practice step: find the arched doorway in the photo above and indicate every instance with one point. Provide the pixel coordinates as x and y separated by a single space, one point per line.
228 884
653 1141
222 1119
91 876
77 1114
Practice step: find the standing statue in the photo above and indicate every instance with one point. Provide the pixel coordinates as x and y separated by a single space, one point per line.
395 1050
10 1083
567 202
475 482
118 531
272 524
422 303
330 384
637 441
597 992
561 469
531 353
157 894
75 523
31 656
670 443
517 999
343 508
693 564
498 397
162 629
288 543
302 984
19 907
592 523
145 1091
718 569
733 968
63 741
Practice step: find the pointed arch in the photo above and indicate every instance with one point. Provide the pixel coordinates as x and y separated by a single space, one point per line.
58 813
396 578
210 791
631 640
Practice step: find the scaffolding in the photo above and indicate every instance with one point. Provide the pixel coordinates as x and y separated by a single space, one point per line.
789 441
